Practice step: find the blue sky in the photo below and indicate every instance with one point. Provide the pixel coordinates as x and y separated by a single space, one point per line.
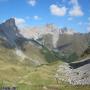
63 13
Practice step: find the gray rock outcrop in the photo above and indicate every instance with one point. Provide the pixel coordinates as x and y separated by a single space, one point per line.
10 33
77 76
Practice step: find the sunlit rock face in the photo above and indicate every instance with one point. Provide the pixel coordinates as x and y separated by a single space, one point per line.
10 32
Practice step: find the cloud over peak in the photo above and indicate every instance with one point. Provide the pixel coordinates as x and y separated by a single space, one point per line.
76 9
58 11
19 21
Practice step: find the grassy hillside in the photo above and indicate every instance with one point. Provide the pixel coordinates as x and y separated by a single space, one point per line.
34 53
40 78
25 77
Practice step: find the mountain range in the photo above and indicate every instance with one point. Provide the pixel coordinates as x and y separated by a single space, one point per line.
35 57
59 38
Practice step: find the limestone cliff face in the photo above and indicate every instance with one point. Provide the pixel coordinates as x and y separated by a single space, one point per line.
10 32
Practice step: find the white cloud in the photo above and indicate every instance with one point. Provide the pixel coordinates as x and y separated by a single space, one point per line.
32 2
36 17
58 11
19 21
74 2
76 9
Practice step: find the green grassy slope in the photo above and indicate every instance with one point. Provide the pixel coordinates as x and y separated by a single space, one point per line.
31 78
34 53
24 77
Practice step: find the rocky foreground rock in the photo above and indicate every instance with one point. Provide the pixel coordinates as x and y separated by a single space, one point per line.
78 76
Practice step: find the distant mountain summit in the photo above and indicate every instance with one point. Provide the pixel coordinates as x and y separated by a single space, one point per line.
50 30
37 31
10 33
65 40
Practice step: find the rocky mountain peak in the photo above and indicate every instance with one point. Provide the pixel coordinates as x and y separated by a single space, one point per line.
10 32
10 22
